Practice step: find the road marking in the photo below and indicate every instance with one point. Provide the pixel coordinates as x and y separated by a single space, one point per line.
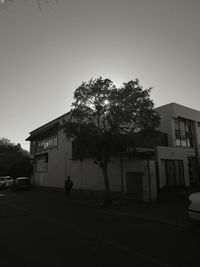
2 195
95 237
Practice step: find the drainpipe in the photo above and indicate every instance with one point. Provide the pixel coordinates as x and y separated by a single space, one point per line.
149 178
157 159
65 165
196 149
122 171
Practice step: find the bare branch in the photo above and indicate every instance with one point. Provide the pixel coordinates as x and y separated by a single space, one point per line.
39 4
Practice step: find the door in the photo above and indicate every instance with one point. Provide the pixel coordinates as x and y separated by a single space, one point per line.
179 172
134 183
174 172
193 170
170 172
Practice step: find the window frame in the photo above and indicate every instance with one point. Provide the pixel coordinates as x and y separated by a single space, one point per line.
47 143
184 132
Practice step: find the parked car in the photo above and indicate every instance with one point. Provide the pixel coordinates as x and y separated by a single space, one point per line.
194 207
21 183
6 182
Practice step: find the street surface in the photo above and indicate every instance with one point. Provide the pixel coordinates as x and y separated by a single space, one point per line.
43 228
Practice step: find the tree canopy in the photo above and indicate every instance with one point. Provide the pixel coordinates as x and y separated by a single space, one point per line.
14 161
102 113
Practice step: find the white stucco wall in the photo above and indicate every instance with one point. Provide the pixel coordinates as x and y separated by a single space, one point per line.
57 158
167 123
87 175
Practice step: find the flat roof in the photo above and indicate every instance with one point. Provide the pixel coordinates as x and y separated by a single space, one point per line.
173 103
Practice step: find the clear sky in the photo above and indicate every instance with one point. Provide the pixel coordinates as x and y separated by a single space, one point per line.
46 54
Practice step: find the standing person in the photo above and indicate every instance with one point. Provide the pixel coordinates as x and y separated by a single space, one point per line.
68 186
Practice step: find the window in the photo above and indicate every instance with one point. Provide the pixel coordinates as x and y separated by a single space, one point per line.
41 163
47 143
32 148
184 132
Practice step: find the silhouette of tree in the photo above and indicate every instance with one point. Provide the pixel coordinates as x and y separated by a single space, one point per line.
102 113
14 161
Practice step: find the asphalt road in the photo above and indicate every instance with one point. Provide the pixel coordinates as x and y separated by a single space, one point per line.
43 228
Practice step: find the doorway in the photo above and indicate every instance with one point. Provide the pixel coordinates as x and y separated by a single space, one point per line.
193 170
174 172
134 183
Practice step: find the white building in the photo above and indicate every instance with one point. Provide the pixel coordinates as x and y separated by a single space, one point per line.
53 160
178 163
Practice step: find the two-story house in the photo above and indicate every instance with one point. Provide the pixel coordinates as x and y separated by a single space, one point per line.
178 164
49 151
54 159
133 171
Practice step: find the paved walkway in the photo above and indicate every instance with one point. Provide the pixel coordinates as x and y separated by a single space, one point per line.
171 206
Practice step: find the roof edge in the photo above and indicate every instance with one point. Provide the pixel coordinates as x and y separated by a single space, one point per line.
48 123
174 104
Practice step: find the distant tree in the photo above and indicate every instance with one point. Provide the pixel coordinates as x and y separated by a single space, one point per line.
102 113
6 145
14 161
4 141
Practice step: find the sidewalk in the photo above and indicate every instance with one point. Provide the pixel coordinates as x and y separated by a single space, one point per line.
170 208
170 213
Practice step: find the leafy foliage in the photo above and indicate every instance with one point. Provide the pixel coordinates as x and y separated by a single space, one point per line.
14 161
102 113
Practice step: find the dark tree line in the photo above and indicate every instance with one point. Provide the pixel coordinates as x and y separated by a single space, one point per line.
14 161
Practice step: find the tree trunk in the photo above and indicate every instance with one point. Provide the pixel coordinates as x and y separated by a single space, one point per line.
107 199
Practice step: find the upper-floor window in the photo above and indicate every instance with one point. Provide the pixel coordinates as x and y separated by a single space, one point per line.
47 143
32 147
184 132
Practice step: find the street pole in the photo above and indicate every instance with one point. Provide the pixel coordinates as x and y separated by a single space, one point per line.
196 148
122 175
